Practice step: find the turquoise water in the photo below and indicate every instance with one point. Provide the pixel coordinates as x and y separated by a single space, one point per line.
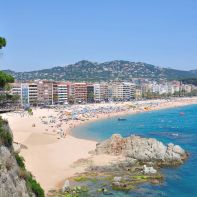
165 125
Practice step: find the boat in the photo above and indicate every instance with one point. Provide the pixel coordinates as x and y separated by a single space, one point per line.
122 119
182 113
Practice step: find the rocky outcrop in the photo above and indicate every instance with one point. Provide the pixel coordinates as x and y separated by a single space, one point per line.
10 182
143 150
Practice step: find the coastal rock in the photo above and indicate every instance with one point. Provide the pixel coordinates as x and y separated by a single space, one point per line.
10 183
117 178
141 149
149 170
66 186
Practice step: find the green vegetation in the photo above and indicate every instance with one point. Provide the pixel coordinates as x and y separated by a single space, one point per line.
5 135
123 187
2 42
34 186
192 81
77 191
113 70
6 100
20 161
83 178
6 140
5 78
30 112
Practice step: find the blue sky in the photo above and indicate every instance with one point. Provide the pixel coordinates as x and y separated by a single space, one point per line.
47 33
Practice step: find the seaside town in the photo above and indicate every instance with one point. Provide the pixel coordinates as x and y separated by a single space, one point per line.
98 98
45 93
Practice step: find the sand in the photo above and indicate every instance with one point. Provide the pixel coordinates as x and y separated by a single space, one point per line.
50 158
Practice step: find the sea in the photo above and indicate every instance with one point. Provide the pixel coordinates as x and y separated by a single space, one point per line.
176 125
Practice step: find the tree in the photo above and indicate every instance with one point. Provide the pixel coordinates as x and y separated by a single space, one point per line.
4 78
2 42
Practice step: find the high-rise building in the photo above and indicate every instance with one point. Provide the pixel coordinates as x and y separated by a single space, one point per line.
97 92
80 92
128 91
60 94
104 92
33 93
90 93
24 94
117 91
45 92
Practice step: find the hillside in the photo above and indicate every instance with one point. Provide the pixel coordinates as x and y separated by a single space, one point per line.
113 70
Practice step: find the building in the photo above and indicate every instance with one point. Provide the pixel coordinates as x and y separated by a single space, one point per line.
117 91
97 92
60 93
104 92
33 93
45 92
16 89
25 94
80 92
128 91
90 93
138 93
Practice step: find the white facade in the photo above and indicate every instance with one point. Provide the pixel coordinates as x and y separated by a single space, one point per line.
62 93
97 92
128 91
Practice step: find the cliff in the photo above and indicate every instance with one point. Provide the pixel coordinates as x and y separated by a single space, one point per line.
14 179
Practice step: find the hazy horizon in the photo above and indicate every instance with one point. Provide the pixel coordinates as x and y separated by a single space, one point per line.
43 34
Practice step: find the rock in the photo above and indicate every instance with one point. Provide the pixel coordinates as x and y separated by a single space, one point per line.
117 178
149 170
17 147
10 183
178 149
66 186
139 149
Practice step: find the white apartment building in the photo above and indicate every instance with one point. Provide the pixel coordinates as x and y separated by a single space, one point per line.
33 93
28 92
97 92
128 91
62 95
123 91
117 91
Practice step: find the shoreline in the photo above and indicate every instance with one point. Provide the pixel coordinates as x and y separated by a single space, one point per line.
125 113
50 158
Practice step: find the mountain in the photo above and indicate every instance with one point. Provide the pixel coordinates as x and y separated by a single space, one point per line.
112 70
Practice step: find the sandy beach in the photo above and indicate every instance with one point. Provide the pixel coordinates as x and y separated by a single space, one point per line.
49 149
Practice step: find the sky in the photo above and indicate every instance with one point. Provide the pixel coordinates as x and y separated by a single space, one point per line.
47 33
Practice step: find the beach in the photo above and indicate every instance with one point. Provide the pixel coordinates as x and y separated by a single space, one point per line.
48 147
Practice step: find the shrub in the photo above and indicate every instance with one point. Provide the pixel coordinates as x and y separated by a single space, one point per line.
20 161
34 186
6 138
